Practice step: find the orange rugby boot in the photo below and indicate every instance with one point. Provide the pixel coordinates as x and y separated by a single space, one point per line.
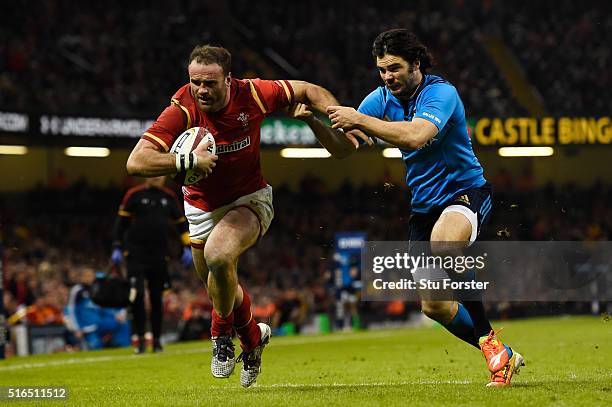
503 377
494 352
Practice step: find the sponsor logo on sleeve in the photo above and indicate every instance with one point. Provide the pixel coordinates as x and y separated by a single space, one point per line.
432 117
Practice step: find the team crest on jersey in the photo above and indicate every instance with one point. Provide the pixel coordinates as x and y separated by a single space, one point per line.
243 118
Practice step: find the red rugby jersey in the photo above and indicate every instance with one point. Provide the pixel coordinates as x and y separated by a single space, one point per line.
236 129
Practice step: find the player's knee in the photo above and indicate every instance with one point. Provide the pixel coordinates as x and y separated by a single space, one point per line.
446 248
219 262
436 310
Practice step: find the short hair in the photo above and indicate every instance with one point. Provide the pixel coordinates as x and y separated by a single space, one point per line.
208 54
402 43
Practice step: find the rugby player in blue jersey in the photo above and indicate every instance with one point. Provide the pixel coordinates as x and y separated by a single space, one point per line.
424 117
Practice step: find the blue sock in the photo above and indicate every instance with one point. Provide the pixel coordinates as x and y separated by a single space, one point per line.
462 326
508 350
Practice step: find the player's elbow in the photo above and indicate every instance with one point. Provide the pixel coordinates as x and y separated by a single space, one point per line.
408 143
414 141
413 144
315 96
133 166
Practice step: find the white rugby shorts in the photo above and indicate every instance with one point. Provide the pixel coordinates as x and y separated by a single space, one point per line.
201 223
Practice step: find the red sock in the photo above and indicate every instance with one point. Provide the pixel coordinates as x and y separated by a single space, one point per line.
221 326
245 324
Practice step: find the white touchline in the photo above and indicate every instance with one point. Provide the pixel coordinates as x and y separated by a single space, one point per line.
207 349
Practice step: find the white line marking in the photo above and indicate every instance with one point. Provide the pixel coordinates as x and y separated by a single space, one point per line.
343 385
207 349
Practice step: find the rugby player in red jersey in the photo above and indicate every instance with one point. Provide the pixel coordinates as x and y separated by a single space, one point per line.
231 207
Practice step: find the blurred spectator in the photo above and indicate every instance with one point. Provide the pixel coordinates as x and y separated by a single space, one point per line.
265 308
10 305
45 312
20 287
97 327
396 310
291 312
196 320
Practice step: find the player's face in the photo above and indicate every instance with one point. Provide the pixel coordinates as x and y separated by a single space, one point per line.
209 86
400 76
88 276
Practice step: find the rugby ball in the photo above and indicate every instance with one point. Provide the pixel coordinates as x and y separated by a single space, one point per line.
186 143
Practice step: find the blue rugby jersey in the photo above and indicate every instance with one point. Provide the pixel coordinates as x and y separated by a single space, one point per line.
446 165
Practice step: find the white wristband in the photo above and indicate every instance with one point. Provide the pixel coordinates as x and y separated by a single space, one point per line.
186 162
180 162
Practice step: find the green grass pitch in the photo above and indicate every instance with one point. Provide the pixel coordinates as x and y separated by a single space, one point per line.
569 363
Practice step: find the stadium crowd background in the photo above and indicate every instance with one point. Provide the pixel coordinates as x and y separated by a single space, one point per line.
121 61
55 239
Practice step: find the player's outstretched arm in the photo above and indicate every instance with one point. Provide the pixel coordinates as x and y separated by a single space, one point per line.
307 96
407 135
314 96
334 141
